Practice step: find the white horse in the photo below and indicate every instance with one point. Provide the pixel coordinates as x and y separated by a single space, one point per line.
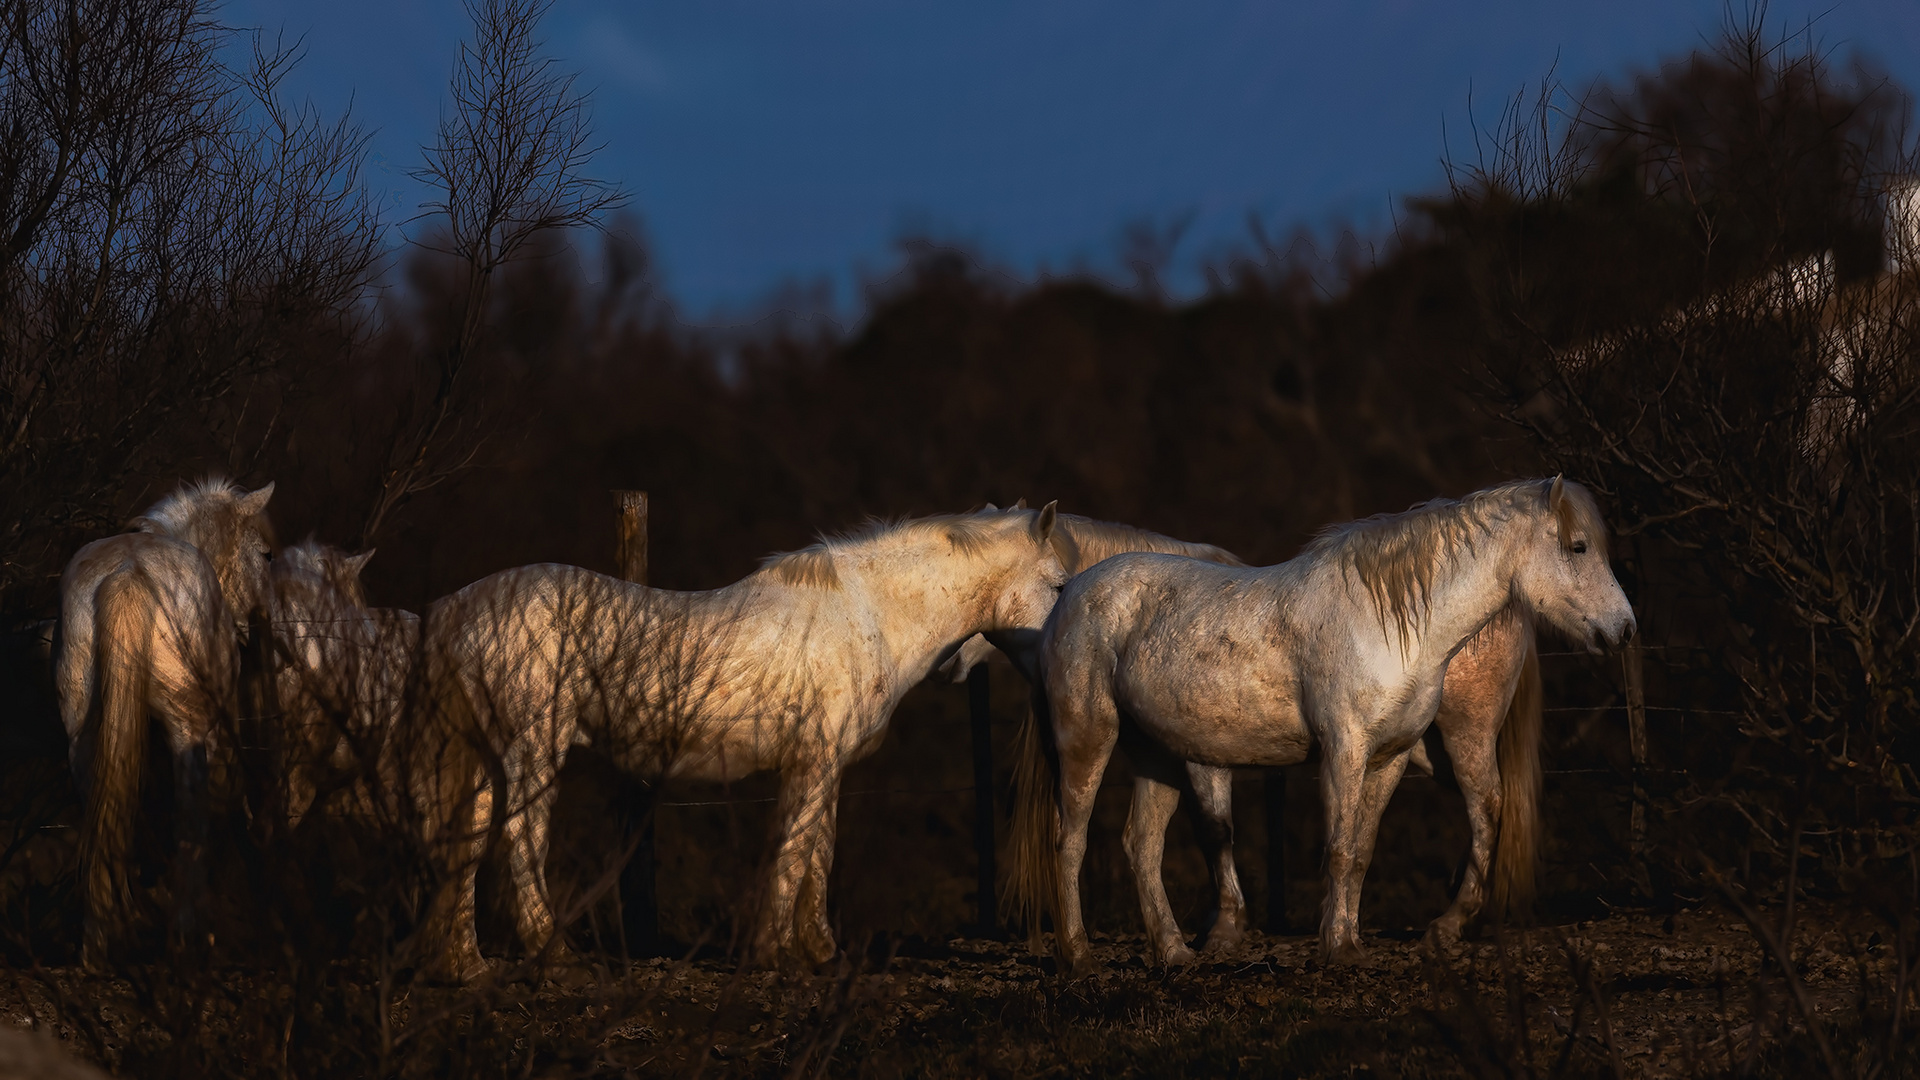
149 624
797 668
1347 645
1489 720
342 680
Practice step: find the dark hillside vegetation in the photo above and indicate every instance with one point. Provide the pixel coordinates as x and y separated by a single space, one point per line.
1689 290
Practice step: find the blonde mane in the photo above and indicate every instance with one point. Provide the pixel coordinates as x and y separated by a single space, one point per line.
813 565
191 510
1090 541
1397 556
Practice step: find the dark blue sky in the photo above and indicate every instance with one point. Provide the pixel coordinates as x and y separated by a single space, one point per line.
772 142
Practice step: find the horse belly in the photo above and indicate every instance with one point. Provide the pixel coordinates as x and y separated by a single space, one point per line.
1218 716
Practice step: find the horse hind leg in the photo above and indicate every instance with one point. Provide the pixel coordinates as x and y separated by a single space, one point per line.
1154 802
1471 745
1086 727
458 821
190 825
527 836
1213 824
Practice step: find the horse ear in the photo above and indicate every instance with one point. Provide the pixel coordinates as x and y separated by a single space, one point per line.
989 507
1022 504
253 502
1562 508
357 563
1043 524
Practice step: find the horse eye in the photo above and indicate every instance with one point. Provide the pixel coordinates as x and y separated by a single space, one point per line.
1579 547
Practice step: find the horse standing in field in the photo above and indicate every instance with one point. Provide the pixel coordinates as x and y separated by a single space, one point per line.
796 668
1347 645
1489 719
342 681
150 624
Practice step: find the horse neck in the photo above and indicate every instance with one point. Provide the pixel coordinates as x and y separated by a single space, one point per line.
1468 593
926 600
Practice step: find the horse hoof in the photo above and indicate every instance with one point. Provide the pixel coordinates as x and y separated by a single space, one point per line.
817 952
457 971
1346 954
1444 933
1177 956
1223 941
574 976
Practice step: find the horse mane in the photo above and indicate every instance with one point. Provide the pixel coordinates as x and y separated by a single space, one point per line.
1094 541
813 565
195 510
1397 555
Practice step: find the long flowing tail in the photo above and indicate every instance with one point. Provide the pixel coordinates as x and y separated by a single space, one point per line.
1517 850
1033 841
123 643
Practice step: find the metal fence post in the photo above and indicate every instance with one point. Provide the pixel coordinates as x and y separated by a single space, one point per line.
980 708
639 898
1273 794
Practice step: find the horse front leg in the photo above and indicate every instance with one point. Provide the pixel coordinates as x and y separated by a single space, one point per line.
815 934
1213 824
801 812
1154 802
1343 774
1376 790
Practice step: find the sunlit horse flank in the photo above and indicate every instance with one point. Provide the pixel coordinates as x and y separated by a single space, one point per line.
342 678
1489 720
1347 645
149 625
796 668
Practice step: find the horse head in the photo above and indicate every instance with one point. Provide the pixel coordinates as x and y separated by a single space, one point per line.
1564 575
229 526
1038 574
339 571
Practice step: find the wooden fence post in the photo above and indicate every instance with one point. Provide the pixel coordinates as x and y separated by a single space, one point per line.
639 898
1273 794
980 709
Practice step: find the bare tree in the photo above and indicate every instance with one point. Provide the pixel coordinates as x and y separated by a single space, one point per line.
169 230
509 165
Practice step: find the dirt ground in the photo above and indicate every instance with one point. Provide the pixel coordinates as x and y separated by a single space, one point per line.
1672 994
1678 993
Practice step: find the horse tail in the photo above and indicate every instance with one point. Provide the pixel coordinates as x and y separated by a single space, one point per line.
124 628
1033 840
1517 847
